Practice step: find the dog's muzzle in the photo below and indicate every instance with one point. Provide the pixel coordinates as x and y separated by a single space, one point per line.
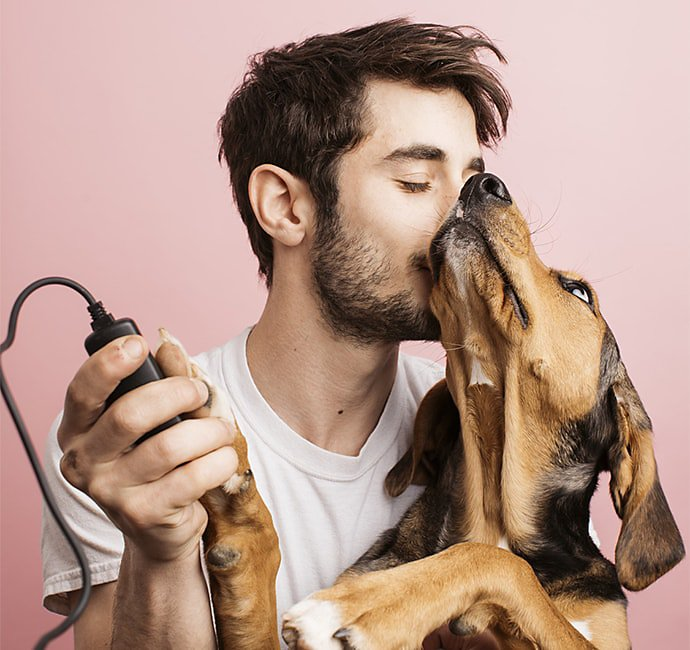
478 193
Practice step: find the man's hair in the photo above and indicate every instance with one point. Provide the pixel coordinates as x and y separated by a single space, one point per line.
300 105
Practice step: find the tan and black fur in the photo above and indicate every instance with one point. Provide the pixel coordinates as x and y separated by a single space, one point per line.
535 405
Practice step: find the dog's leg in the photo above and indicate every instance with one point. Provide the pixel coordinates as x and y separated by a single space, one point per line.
241 545
397 608
242 558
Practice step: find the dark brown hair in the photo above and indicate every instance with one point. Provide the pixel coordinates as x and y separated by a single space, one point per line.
299 106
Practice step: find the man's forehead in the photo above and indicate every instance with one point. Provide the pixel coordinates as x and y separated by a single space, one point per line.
400 119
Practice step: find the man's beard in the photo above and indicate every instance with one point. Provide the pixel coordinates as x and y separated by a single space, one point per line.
347 272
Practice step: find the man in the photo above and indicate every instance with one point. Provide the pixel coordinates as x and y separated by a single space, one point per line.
345 153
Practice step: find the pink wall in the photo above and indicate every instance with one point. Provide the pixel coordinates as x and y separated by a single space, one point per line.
109 176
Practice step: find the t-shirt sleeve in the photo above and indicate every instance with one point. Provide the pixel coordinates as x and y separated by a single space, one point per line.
102 541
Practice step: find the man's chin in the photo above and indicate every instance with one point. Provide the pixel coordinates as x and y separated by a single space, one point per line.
412 325
387 322
428 329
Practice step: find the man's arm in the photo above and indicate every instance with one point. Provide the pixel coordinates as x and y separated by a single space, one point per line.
150 492
149 611
93 628
138 609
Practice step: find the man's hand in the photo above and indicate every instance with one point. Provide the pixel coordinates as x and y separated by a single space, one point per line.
150 491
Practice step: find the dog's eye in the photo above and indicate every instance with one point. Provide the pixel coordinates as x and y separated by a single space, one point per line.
580 293
578 289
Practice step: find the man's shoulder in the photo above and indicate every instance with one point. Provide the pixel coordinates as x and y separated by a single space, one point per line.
226 358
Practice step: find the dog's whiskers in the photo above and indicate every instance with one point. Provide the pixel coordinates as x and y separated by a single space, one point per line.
610 275
545 225
453 347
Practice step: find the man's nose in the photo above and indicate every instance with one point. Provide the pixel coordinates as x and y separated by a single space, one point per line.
482 188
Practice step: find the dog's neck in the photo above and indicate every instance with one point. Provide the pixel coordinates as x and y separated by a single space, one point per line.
483 442
481 408
502 486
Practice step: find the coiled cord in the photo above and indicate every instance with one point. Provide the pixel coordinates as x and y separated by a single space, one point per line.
94 309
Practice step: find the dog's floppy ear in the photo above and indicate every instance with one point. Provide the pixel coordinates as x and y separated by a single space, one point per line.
436 428
649 543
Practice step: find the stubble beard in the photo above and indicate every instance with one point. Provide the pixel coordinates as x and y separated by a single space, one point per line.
348 275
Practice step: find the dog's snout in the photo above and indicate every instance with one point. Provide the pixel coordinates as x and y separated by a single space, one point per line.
493 185
483 187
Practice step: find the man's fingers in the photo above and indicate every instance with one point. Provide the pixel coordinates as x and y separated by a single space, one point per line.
140 411
98 376
191 481
161 502
175 446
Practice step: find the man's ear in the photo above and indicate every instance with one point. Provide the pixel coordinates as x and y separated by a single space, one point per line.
283 204
649 543
436 429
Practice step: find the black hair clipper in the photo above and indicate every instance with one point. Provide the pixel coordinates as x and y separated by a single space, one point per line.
105 329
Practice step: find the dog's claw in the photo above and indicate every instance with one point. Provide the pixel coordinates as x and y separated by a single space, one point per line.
458 627
247 480
343 635
290 637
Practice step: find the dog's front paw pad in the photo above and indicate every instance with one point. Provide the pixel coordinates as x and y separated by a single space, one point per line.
222 557
311 625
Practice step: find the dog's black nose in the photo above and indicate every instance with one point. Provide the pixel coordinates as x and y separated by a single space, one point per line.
482 187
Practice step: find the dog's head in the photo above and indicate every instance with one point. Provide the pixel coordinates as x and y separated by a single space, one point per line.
535 337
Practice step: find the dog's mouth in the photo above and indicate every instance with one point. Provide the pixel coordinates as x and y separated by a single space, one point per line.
509 290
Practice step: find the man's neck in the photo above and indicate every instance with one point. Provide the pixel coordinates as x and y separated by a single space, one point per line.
326 388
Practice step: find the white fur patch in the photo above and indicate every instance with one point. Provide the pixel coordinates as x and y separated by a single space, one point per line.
503 543
477 374
593 533
315 621
583 628
233 484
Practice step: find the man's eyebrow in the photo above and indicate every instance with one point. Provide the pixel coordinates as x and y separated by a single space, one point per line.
429 152
416 152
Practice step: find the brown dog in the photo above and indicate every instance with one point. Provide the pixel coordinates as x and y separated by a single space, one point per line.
536 403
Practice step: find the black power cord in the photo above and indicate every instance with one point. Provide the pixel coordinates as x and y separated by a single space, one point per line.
96 310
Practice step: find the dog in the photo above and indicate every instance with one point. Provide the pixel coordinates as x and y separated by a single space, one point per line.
535 404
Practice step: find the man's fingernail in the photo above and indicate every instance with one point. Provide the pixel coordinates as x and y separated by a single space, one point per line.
133 347
202 388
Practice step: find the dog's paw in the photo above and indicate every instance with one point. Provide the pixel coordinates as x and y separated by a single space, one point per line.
314 624
222 557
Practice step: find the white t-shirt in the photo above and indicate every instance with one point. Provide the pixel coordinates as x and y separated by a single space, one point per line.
327 508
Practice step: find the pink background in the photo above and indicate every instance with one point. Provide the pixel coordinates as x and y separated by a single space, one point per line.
109 176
